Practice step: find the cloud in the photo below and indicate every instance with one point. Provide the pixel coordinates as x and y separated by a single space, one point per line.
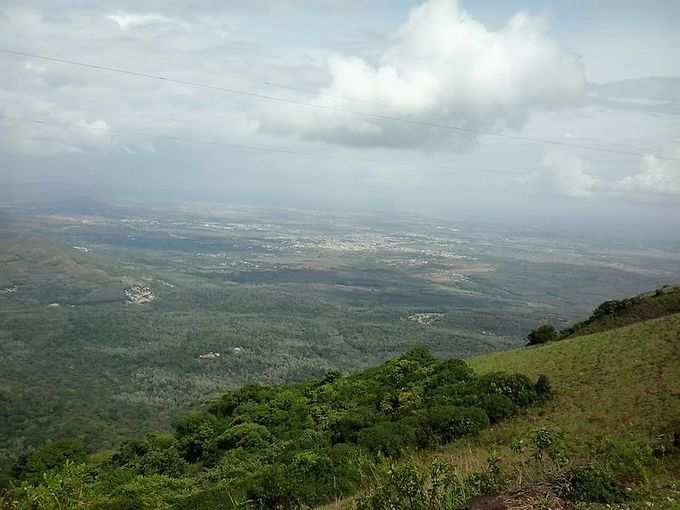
442 66
48 108
562 173
127 20
656 176
568 174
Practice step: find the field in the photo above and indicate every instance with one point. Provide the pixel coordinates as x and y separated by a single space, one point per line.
115 319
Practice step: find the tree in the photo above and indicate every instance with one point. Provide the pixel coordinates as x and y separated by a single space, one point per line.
542 334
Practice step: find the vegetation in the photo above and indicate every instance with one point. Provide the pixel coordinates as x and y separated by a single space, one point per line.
608 439
612 423
255 302
283 446
283 297
414 429
615 314
541 335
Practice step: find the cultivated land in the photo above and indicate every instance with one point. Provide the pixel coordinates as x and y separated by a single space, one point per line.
121 317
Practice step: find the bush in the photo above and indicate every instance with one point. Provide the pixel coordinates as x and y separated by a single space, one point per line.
30 466
543 388
195 433
549 444
516 387
627 459
345 428
450 422
244 435
389 437
439 488
274 488
593 484
302 445
498 407
541 335
162 462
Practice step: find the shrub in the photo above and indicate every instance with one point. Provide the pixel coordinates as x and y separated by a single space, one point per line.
628 459
541 335
49 456
593 484
516 387
549 444
450 422
543 388
440 488
244 435
389 437
301 445
345 428
498 407
162 462
274 488
195 433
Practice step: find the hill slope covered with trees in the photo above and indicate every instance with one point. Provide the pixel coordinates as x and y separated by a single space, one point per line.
438 434
283 446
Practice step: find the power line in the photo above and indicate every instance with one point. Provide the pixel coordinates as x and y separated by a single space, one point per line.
618 143
266 97
239 146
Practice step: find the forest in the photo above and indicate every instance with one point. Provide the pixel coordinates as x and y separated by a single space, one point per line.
287 446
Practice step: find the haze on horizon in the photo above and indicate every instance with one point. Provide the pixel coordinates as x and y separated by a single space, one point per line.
529 109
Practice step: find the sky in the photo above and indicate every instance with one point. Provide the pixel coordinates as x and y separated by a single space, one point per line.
543 109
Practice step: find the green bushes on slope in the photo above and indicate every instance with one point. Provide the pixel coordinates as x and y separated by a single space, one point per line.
289 446
614 314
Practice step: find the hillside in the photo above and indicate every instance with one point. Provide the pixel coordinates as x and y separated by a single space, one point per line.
621 380
618 389
617 313
607 435
614 416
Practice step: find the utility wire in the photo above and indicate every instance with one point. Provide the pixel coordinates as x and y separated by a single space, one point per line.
239 146
266 97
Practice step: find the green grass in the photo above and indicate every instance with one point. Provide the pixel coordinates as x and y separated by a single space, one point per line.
617 313
620 384
622 381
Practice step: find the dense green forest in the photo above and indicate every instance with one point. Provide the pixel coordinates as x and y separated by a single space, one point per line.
282 446
601 430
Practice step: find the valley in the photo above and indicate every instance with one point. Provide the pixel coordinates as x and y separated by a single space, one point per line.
113 315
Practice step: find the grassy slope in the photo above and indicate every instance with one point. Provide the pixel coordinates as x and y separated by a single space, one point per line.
625 380
650 305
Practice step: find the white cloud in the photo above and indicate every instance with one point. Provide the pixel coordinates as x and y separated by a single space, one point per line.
127 20
657 176
568 174
562 173
442 66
